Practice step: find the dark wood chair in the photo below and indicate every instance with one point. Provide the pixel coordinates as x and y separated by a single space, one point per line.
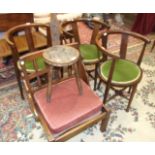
89 52
27 38
68 113
120 72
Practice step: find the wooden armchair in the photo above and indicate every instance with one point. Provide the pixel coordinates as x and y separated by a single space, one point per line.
90 54
68 113
27 38
119 73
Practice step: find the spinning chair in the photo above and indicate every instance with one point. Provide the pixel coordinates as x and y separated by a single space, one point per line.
118 72
27 38
68 113
90 54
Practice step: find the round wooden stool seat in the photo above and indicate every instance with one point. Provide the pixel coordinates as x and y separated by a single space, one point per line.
61 56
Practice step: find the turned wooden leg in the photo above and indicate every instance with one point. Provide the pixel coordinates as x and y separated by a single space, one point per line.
153 45
95 77
108 84
106 93
69 70
78 79
99 84
129 91
19 81
104 122
49 86
131 97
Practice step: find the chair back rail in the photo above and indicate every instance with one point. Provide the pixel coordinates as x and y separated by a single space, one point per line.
27 38
29 31
97 25
123 43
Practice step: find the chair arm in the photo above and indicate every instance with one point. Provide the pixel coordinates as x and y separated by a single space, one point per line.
103 49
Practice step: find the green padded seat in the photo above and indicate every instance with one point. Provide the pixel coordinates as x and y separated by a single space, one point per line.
125 71
30 67
89 53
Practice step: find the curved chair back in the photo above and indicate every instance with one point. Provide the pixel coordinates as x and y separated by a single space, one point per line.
71 28
27 38
68 113
104 39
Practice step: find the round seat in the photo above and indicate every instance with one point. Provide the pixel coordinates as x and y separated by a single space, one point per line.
61 56
30 66
125 72
90 53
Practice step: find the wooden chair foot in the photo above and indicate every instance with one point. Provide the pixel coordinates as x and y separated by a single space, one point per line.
95 78
21 89
22 95
133 91
127 110
104 122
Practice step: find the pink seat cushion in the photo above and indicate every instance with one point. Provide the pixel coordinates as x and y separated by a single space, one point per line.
67 107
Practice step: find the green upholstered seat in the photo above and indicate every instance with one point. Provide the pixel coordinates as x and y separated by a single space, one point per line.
90 53
30 67
125 71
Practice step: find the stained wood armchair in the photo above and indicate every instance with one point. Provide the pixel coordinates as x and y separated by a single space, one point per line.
68 113
90 54
118 72
27 38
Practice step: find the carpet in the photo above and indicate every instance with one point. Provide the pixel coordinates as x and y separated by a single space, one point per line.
18 124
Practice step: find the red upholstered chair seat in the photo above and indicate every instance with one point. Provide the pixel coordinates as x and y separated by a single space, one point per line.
67 107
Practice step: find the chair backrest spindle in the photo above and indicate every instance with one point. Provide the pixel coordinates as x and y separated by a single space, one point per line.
96 29
29 39
123 46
